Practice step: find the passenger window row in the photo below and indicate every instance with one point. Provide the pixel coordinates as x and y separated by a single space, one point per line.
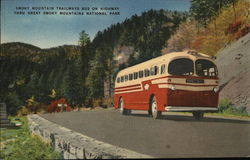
142 73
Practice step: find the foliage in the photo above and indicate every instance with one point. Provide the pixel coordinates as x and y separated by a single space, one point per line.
97 103
103 102
53 107
227 107
73 85
23 111
204 10
84 39
183 37
218 30
108 102
13 102
230 23
19 144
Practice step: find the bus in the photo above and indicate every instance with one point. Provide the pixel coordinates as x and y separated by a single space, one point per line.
175 82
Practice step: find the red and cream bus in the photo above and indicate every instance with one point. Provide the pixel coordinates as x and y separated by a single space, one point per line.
179 81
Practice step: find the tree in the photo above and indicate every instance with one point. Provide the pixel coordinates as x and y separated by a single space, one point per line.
85 58
84 39
32 86
204 10
183 37
73 85
96 76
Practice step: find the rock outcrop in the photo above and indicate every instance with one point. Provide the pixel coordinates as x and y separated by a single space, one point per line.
234 72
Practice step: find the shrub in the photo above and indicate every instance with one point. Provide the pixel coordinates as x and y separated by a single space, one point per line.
108 102
53 107
13 102
234 27
98 102
227 107
243 32
225 103
23 111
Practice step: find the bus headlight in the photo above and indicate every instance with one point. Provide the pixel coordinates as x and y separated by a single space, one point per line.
216 89
173 87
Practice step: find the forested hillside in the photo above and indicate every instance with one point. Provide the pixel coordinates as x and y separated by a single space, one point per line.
84 74
81 74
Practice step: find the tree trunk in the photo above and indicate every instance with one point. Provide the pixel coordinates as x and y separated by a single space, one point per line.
234 11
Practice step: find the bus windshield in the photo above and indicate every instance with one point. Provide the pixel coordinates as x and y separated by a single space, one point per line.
205 68
181 66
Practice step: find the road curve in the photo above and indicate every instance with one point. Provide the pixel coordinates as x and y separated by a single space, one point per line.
172 136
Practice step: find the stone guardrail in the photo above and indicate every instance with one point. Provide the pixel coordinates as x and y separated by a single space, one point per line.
73 145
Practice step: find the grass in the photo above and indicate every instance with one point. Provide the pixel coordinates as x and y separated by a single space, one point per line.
229 115
19 144
226 115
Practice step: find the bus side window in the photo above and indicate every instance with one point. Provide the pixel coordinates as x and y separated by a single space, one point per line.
122 79
126 78
146 72
156 70
152 71
163 69
130 76
118 80
135 75
140 74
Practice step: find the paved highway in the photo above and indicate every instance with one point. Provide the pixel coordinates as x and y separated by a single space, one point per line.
172 136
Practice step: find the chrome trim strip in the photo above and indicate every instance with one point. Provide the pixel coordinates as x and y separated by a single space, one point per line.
181 108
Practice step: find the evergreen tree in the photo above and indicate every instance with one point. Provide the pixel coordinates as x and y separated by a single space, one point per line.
96 77
204 10
73 84
32 86
85 58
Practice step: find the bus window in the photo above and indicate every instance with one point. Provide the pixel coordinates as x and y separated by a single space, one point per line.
135 75
163 68
182 66
130 76
126 78
205 68
156 68
152 71
122 79
146 72
118 80
140 74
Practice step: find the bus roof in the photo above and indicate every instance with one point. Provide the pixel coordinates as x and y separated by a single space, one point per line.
166 58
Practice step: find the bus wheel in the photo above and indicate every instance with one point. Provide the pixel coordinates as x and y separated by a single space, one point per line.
123 111
198 115
154 109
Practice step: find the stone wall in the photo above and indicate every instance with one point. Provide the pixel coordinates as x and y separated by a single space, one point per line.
73 145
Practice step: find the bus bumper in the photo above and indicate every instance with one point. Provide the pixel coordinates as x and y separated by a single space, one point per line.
190 109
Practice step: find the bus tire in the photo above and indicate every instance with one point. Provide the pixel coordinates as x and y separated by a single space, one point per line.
198 115
154 108
123 111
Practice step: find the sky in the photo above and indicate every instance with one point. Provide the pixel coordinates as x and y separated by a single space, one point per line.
47 31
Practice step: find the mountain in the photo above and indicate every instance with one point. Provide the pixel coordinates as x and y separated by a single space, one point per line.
34 53
234 72
18 49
